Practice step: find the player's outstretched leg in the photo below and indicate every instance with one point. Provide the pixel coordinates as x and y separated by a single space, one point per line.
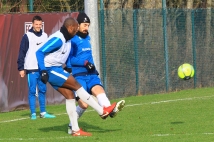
102 111
108 110
119 106
72 84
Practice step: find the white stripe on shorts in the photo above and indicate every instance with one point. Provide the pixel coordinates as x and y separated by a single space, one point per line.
60 75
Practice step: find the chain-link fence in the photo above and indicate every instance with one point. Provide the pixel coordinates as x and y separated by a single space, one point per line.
23 6
132 42
134 54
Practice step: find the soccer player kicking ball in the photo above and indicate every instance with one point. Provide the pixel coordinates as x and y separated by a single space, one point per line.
51 56
81 63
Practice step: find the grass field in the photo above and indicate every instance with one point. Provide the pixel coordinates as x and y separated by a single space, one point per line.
185 116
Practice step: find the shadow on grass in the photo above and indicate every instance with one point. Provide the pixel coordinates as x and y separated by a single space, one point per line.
37 114
26 114
63 127
82 125
94 128
177 122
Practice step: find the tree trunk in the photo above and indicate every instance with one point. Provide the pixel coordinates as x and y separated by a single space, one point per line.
23 6
65 5
189 4
128 4
150 4
112 4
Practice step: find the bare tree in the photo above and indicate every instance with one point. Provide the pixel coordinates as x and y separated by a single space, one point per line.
128 4
23 6
149 4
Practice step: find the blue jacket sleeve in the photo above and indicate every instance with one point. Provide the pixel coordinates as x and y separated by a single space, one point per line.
73 59
24 46
50 46
68 62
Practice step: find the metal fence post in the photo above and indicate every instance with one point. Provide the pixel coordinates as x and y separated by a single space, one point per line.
31 5
193 46
103 52
135 13
164 10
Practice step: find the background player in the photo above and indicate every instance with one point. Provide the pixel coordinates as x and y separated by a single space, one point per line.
27 64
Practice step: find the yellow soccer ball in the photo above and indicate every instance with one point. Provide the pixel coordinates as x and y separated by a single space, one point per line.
186 71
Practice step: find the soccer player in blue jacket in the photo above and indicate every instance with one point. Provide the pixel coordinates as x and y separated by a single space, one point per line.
81 63
27 64
51 56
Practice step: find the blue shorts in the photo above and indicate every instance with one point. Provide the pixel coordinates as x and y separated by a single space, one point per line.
88 81
57 76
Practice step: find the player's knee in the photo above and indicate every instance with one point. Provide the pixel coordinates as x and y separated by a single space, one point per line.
32 91
42 91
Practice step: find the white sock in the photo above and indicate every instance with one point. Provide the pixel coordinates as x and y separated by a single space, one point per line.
103 100
71 111
80 112
87 98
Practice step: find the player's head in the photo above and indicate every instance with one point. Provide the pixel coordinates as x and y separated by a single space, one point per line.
37 23
84 23
71 25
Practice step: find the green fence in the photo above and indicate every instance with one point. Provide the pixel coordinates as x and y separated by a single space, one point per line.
134 56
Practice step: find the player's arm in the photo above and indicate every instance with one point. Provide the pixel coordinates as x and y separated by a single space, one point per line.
50 46
68 61
68 64
73 59
24 46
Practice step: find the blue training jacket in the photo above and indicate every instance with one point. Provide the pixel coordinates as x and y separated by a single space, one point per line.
81 51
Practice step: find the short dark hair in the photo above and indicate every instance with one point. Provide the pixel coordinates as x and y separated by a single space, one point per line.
38 18
69 22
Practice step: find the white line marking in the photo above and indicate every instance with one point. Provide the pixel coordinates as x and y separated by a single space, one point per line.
166 101
165 135
14 120
69 137
18 119
35 139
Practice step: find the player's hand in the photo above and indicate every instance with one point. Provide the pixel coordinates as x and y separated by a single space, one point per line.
89 66
22 73
44 76
69 70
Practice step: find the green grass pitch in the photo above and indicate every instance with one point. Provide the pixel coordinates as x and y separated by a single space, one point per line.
184 116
